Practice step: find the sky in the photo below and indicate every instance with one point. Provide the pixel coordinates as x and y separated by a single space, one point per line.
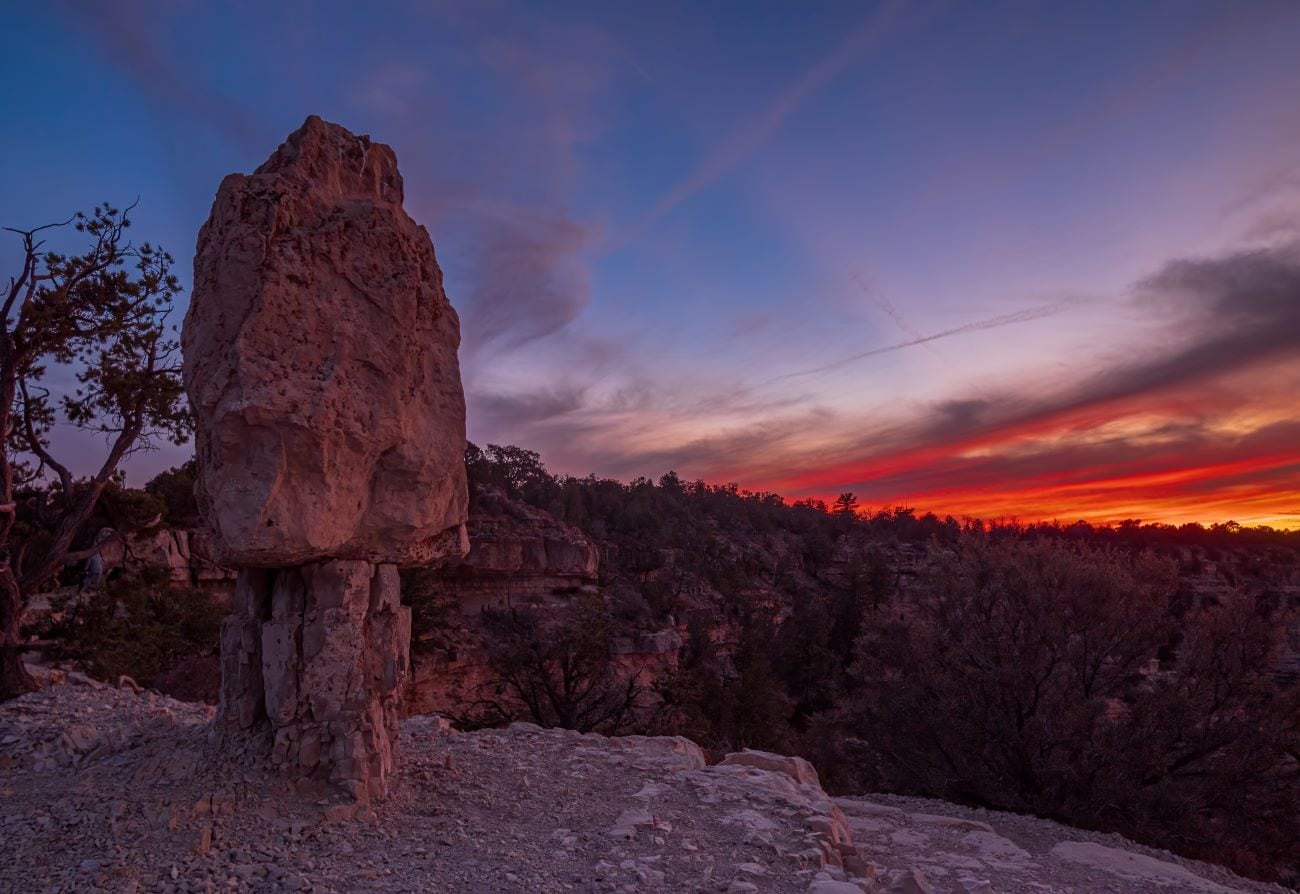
997 259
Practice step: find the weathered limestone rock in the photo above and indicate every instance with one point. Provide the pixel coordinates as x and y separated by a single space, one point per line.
320 360
167 548
796 768
519 552
320 652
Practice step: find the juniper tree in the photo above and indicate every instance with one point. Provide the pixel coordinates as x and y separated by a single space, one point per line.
101 317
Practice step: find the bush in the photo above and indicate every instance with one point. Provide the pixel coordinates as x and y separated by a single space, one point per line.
434 610
139 627
559 671
175 489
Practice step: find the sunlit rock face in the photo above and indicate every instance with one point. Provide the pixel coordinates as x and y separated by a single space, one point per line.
320 360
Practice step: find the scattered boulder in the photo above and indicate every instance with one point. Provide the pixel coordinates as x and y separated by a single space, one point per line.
796 768
911 881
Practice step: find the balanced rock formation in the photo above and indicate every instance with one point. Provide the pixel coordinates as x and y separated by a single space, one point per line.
320 361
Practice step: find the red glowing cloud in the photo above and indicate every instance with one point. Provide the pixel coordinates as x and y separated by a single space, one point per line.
1202 426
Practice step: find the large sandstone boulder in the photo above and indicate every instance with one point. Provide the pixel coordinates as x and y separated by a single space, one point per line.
320 360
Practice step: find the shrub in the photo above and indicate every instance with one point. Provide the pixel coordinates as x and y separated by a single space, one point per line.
560 671
139 627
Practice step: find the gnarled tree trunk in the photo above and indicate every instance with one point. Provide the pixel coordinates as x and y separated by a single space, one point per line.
14 679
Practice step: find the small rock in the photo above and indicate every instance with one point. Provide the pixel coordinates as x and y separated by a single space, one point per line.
912 881
831 886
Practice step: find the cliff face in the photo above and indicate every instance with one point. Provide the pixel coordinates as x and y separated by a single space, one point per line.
187 555
520 557
517 554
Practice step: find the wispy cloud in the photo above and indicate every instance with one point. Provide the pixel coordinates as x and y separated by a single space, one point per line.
1124 98
128 36
526 274
1167 423
886 20
1197 418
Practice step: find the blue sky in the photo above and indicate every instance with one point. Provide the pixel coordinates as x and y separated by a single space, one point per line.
702 236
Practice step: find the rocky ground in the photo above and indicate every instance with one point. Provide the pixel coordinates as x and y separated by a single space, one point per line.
1015 854
107 789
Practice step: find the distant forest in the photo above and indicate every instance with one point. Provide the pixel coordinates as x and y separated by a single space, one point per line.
1079 672
603 505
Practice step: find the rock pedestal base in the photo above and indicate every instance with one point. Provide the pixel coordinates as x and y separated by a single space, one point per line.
318 654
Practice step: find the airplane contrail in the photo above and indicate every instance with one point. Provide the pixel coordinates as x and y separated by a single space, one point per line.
884 304
884 22
887 306
1020 316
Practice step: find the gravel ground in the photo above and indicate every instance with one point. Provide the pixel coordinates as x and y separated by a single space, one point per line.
107 789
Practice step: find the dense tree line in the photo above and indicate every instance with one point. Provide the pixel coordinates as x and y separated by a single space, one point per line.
1061 670
1073 682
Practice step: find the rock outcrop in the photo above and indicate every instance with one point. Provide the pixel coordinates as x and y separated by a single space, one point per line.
321 652
187 556
320 361
517 552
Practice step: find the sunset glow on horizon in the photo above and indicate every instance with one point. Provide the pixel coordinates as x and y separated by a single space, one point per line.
989 260
1166 497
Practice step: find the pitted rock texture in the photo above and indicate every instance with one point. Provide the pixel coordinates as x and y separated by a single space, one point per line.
319 655
320 361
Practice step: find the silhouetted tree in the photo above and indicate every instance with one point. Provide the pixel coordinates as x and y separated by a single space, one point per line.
754 709
104 313
175 487
518 472
564 673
